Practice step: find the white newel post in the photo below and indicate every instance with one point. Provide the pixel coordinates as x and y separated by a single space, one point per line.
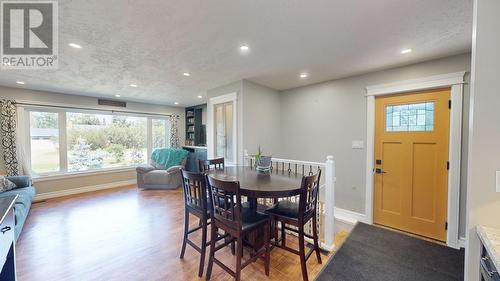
329 202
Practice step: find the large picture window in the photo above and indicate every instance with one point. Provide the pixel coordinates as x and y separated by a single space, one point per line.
98 141
67 141
44 131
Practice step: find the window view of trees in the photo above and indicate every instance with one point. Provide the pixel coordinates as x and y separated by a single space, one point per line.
93 141
159 133
44 131
105 141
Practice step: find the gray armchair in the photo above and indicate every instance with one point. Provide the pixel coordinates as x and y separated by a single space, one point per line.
155 176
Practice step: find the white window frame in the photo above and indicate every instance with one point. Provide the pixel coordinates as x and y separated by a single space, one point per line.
63 147
150 134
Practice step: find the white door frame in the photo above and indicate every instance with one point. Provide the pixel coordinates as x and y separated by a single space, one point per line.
232 97
455 81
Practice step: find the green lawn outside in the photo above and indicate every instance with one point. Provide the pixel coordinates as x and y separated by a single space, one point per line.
45 157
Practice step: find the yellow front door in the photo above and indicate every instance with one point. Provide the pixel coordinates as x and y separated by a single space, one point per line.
411 162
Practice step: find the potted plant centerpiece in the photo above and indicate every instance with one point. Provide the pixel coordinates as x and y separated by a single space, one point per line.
262 163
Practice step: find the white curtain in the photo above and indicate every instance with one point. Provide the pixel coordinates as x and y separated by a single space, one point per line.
22 141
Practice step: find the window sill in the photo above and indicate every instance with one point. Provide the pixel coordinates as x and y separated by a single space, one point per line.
69 175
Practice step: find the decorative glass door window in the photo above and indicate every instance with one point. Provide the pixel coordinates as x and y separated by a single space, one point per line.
410 117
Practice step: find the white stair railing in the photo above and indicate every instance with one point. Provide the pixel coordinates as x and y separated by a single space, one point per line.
326 205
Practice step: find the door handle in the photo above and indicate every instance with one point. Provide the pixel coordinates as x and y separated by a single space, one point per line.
5 229
379 171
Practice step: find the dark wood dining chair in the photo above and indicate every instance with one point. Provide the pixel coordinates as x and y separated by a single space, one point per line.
197 203
298 215
205 165
228 215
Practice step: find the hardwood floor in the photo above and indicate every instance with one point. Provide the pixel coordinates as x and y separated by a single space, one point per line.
127 234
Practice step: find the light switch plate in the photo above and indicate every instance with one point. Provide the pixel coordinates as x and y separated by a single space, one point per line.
498 182
358 144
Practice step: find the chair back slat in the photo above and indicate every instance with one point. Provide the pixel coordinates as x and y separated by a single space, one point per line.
205 165
309 192
195 190
226 202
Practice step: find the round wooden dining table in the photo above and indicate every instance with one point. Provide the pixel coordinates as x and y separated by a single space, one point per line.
255 184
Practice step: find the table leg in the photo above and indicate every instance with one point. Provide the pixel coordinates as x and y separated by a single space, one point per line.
252 203
255 238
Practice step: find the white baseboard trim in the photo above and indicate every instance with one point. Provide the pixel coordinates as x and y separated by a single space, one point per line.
78 190
348 216
462 241
327 248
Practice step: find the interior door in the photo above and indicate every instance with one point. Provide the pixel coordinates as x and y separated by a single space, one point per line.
411 162
224 133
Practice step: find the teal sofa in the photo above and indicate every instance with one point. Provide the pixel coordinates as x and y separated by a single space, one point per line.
26 193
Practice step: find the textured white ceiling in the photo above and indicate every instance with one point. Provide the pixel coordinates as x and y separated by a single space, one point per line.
151 43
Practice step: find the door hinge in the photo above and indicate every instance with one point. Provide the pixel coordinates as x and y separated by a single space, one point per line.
449 104
448 165
446 226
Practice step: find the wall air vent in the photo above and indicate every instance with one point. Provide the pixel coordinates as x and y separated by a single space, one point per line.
114 103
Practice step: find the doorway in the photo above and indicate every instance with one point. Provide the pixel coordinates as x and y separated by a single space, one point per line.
411 162
223 135
224 131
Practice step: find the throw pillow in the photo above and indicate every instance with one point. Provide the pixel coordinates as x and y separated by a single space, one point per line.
6 185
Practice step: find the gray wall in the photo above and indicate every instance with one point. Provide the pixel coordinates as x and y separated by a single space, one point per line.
483 203
234 87
258 116
323 119
204 115
261 119
85 180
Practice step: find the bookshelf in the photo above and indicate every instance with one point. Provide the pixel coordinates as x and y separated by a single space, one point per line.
195 130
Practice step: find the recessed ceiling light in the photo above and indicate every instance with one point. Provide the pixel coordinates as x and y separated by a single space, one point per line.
20 82
244 48
303 75
406 51
74 45
200 97
117 96
176 103
187 74
133 85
